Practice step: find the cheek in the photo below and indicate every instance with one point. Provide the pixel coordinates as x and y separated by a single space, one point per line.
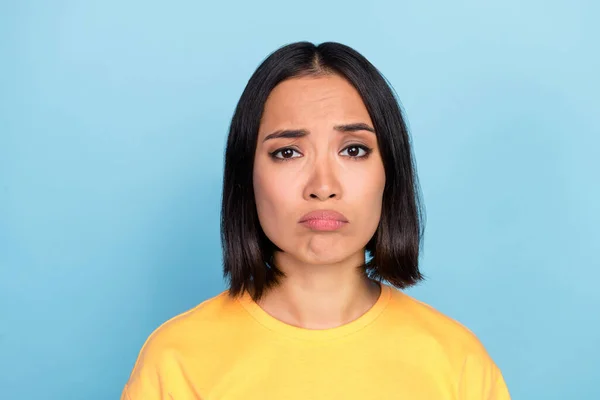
266 187
271 196
365 194
377 190
365 187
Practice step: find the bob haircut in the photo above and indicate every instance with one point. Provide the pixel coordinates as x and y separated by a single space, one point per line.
394 248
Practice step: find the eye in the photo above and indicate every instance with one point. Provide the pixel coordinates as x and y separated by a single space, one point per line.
285 154
354 151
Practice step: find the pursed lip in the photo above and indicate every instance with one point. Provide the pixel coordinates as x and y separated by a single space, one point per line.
329 215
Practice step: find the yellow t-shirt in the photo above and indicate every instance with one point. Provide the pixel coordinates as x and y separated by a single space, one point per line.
230 349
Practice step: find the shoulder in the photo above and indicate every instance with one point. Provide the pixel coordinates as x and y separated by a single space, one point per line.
194 325
439 327
188 337
190 333
197 336
444 338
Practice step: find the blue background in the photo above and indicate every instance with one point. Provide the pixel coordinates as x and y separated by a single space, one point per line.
113 121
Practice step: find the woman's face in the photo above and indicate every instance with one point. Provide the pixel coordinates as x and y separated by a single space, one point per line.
326 168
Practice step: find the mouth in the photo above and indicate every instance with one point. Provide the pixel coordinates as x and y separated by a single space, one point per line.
323 220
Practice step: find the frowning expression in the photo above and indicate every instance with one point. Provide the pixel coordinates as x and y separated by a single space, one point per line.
317 150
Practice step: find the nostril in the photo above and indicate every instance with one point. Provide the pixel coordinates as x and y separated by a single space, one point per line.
316 196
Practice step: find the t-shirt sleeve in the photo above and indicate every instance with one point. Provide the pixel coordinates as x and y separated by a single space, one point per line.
499 391
138 392
481 379
145 380
124 394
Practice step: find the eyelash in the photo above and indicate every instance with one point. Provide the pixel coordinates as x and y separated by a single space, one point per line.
367 150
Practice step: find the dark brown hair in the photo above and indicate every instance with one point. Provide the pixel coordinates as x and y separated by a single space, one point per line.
394 248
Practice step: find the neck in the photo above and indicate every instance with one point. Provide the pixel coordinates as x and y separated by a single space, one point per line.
320 296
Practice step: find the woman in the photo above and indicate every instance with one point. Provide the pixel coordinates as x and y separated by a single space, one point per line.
319 178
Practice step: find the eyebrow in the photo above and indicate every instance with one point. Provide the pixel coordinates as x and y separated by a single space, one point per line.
298 133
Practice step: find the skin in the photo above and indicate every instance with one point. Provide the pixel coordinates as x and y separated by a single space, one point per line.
326 169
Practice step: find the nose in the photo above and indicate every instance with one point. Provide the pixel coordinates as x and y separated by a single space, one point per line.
323 183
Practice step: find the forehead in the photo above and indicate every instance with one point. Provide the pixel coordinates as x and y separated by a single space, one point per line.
312 100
